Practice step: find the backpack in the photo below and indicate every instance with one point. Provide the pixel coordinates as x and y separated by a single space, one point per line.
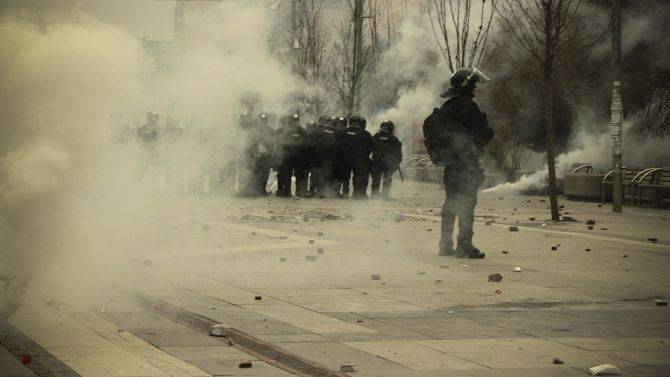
441 131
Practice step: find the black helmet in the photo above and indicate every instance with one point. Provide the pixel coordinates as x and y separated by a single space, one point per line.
464 80
357 120
324 120
387 126
341 122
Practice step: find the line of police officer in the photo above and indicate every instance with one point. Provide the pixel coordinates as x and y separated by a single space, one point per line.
324 157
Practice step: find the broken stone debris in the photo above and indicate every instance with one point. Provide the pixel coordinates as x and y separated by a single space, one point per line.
246 364
558 361
587 249
219 330
311 241
590 227
375 276
320 233
554 248
505 252
568 219
347 367
319 250
652 239
498 291
516 269
604 369
282 259
513 228
429 230
310 258
531 219
258 298
283 237
494 278
487 223
590 222
660 302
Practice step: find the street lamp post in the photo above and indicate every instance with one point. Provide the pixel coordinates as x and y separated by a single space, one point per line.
617 110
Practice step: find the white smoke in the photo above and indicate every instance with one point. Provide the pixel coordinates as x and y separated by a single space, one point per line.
596 149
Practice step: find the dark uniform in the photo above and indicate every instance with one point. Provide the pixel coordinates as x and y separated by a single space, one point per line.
342 177
325 150
356 147
310 151
290 152
386 158
463 173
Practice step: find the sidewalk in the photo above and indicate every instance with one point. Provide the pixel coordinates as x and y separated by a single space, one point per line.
298 274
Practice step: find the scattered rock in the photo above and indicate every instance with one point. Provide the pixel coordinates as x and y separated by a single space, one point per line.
320 234
258 298
590 222
505 252
516 269
421 272
603 228
219 330
438 281
590 227
347 367
375 277
487 223
554 248
494 278
558 361
429 230
310 258
282 259
568 219
513 228
253 233
246 364
500 198
604 369
625 255
660 302
587 249
319 250
652 239
311 242
498 291
282 237
600 205
531 219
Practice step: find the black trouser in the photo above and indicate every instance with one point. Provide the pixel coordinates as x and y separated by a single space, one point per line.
360 167
460 184
322 178
290 165
382 174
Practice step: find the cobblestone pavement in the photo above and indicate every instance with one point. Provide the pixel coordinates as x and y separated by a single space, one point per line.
321 283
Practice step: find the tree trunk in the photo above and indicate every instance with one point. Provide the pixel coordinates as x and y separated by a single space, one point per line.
549 103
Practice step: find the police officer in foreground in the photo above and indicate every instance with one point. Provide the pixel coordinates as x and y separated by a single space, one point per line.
341 177
311 128
466 134
356 147
386 158
291 142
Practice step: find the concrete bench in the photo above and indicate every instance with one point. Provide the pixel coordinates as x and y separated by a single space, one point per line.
630 176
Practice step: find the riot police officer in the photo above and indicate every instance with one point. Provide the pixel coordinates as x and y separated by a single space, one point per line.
323 158
356 147
463 174
386 158
291 139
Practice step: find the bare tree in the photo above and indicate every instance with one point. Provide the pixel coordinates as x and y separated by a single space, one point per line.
552 32
460 31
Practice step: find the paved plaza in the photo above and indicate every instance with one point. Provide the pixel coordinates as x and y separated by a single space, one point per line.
307 286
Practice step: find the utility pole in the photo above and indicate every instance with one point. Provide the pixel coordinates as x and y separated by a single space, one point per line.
617 110
297 34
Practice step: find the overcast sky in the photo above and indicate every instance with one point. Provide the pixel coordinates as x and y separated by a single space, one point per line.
143 18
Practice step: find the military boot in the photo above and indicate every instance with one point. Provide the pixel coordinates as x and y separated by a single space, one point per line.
465 249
